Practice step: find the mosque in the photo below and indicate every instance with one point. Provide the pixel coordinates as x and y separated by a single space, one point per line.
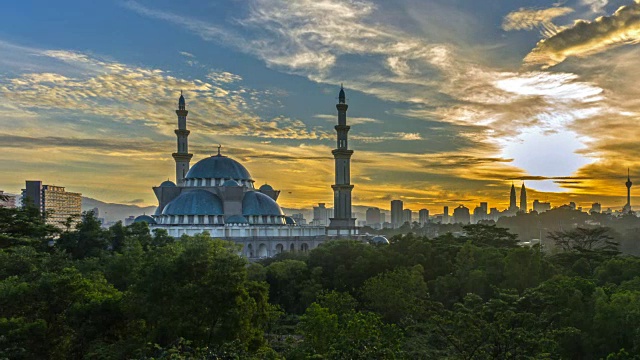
217 195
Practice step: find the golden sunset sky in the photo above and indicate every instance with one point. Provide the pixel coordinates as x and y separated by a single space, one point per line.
450 101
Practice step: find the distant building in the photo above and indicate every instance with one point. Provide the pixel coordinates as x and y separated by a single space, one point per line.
423 216
480 213
595 208
407 216
541 207
321 215
396 213
383 218
129 220
513 207
445 215
299 219
627 206
461 215
373 217
58 204
10 201
572 205
523 199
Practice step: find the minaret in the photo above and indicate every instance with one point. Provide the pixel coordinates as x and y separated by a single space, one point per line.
512 199
627 208
342 223
523 198
182 156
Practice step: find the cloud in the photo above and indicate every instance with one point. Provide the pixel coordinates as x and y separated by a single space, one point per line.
350 120
586 38
596 6
529 19
133 94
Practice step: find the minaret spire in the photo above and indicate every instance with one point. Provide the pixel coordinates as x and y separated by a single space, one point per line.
182 156
627 207
342 222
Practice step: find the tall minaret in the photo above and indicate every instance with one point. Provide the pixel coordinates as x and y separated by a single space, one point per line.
523 198
627 208
342 223
512 199
182 156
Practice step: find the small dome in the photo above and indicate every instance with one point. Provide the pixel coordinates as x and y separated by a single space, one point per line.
379 240
230 183
266 187
145 218
196 202
237 219
257 203
289 220
168 183
218 167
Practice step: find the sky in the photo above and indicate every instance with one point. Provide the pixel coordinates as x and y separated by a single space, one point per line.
450 101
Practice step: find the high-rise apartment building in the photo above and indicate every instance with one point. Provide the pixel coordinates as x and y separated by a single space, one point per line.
54 202
407 216
321 215
396 213
423 216
541 207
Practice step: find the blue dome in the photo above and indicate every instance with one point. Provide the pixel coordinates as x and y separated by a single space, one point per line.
145 218
266 187
379 240
230 183
289 220
168 184
257 203
237 219
218 167
196 202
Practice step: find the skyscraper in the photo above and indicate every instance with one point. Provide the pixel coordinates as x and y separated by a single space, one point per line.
342 222
627 207
523 198
182 156
513 207
396 213
423 216
407 216
445 215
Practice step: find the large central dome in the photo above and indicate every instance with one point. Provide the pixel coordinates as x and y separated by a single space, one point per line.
218 167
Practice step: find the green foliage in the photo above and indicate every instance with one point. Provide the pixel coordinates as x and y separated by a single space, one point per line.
125 292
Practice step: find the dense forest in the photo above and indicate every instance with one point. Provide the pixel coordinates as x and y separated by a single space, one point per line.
126 293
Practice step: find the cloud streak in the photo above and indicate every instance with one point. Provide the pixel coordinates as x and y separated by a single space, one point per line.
586 38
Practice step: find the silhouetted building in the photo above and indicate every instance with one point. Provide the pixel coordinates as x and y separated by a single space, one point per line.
9 202
513 207
423 216
461 215
407 216
55 202
627 207
541 207
523 198
480 213
373 217
445 215
321 215
595 208
396 213
299 219
572 205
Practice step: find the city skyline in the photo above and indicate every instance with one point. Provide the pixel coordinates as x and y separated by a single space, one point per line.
442 114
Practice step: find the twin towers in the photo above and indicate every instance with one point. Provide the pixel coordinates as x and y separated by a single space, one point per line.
523 199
